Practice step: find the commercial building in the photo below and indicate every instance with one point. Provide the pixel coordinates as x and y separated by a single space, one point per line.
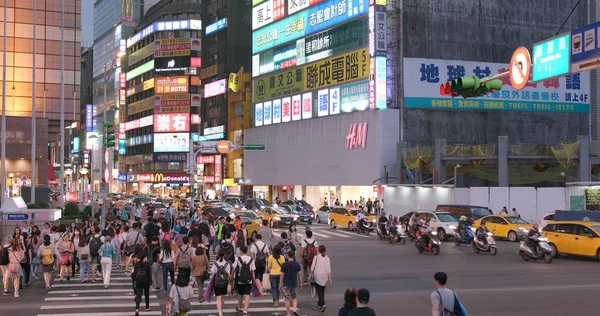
19 73
346 94
162 92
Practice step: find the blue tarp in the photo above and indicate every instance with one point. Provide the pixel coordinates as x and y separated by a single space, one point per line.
594 216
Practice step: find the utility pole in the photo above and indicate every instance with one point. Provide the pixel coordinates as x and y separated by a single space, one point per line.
33 114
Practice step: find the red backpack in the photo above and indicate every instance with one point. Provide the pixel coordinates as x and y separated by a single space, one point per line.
310 252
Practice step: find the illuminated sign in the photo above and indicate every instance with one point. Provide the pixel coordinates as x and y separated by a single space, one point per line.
296 108
175 65
122 80
164 26
209 71
165 85
357 136
138 123
215 88
258 114
122 96
219 25
306 22
286 109
354 96
196 119
76 145
171 142
214 130
140 70
170 157
161 177
90 121
172 103
267 12
380 82
172 122
148 84
205 159
174 47
306 106
332 71
218 168
267 113
196 137
276 111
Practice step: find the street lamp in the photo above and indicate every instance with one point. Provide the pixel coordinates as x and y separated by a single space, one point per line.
92 138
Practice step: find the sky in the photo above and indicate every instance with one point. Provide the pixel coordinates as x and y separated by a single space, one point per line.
87 14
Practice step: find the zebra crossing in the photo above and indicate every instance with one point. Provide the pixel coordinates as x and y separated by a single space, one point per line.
325 232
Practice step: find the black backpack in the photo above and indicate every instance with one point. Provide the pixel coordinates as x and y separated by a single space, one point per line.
228 249
141 275
261 257
4 256
95 244
243 271
222 277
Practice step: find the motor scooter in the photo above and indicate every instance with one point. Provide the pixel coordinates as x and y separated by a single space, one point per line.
544 251
489 245
428 241
395 235
362 227
463 238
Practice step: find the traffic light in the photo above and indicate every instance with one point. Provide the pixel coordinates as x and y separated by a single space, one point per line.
110 134
470 87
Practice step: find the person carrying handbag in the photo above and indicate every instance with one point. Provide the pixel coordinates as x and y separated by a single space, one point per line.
320 274
14 271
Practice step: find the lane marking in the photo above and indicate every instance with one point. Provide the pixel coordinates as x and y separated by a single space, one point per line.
336 234
150 313
102 306
233 311
84 298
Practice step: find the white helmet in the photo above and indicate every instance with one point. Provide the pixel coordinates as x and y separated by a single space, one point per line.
463 218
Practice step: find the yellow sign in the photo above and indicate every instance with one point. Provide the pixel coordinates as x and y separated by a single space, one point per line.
337 70
175 84
229 182
209 71
148 84
234 80
381 2
329 72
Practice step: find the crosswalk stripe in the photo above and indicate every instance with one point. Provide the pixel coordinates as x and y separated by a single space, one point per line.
352 233
232 310
321 235
150 313
127 291
233 302
90 298
103 306
99 283
73 279
336 234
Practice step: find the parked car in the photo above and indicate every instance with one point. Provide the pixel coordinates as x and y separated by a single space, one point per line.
580 238
471 211
322 214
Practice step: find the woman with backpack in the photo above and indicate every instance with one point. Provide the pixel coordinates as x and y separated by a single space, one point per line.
200 270
66 249
220 270
320 274
85 259
166 260
274 267
36 242
47 252
15 258
142 279
26 264
240 241
181 293
107 252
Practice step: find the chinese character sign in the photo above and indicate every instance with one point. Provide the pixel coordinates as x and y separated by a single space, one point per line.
171 122
286 109
166 85
267 113
258 114
422 79
276 111
306 106
296 108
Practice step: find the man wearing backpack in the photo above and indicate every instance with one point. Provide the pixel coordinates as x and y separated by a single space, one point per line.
227 247
183 257
259 252
285 245
96 242
308 252
444 301
243 268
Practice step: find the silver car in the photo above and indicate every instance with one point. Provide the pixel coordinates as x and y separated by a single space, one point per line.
322 214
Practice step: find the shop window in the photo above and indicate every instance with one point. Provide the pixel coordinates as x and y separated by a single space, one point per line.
173 166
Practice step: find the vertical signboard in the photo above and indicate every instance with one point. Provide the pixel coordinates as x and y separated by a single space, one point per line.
306 106
296 108
258 114
323 103
276 111
267 113
286 109
218 169
334 101
378 53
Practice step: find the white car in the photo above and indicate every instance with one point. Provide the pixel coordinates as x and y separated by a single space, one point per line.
440 222
545 219
322 214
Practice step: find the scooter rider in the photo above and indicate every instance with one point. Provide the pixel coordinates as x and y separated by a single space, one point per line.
481 231
361 217
414 222
462 225
383 223
532 236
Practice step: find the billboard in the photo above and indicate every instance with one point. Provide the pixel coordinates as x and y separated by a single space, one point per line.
329 72
215 88
172 103
175 65
422 79
267 12
219 25
171 142
138 123
170 157
161 26
174 47
209 71
90 121
298 5
317 18
174 84
172 122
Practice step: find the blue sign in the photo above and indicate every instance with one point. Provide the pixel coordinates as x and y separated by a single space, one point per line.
585 50
196 137
122 177
16 217
314 19
161 26
355 96
219 25
76 144
170 157
122 147
551 58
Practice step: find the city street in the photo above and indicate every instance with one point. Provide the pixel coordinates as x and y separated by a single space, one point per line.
399 278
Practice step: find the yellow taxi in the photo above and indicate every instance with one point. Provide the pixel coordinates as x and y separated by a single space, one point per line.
580 238
275 217
504 226
250 215
346 217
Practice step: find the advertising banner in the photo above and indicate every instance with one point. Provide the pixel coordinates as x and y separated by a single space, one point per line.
215 88
170 157
172 122
267 12
317 18
423 77
174 47
172 103
209 71
219 25
161 26
171 142
174 84
172 65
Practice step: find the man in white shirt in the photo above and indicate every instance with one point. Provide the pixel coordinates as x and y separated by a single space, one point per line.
260 262
244 278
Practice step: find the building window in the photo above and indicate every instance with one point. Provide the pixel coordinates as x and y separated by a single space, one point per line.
237 168
238 109
237 138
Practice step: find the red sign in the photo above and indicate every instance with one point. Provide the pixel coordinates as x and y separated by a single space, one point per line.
209 179
278 9
71 196
196 62
145 177
122 80
205 159
218 169
357 136
196 119
171 122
